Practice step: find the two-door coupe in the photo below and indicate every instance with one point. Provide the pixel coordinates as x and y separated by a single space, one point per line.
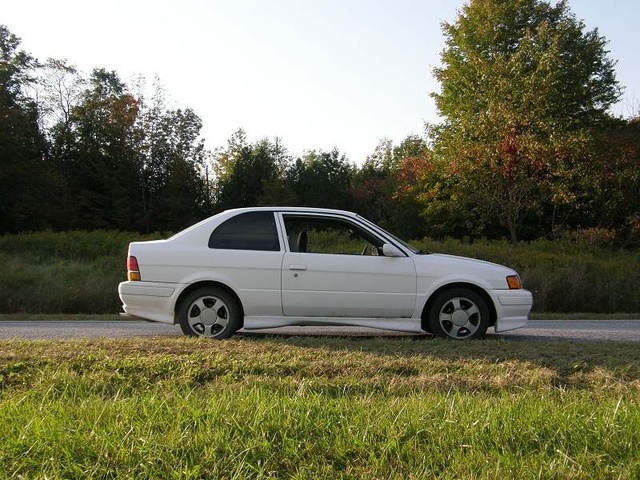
268 267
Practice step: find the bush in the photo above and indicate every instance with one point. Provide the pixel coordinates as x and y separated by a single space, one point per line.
564 275
78 272
69 272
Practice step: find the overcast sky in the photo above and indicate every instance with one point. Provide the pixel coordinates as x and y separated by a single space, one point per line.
317 73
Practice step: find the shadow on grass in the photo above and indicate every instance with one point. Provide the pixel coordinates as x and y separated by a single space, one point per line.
572 362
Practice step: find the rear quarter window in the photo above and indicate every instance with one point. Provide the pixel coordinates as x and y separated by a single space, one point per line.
247 231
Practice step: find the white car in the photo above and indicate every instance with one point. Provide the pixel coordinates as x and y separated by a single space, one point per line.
269 267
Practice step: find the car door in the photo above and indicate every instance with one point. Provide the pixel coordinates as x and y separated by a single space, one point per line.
334 267
245 253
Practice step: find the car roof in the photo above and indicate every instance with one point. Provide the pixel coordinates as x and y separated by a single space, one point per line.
226 214
293 210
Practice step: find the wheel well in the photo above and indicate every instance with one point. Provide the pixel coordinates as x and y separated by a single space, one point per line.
197 285
480 291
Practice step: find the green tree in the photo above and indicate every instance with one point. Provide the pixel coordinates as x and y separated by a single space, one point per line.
174 181
383 187
373 184
612 200
251 175
99 156
60 87
522 86
322 179
59 90
26 181
172 171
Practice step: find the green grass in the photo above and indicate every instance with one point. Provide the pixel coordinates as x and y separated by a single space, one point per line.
318 408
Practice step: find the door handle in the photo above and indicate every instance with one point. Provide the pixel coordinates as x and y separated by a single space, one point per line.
297 267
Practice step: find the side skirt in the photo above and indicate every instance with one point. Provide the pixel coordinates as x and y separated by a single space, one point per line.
396 324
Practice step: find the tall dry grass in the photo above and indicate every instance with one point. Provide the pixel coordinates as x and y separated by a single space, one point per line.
78 272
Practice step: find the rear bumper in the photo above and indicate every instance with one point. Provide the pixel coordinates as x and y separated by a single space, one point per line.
149 301
512 309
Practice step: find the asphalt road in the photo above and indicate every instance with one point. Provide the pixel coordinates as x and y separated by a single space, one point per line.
537 330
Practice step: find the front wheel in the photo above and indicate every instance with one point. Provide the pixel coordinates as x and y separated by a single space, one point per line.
209 312
459 313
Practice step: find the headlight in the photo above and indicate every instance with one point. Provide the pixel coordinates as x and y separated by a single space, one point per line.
514 282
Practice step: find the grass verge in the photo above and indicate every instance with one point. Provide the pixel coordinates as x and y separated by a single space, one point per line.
306 407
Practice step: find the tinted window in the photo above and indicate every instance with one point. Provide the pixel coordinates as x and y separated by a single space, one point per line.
247 231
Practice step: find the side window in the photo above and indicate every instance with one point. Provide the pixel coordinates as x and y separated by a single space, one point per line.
247 231
330 236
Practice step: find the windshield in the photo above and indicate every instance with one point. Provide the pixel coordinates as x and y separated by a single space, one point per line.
406 245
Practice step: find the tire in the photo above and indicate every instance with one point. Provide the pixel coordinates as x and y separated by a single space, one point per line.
209 312
459 313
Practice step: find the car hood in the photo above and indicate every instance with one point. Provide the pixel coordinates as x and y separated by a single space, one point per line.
455 268
465 261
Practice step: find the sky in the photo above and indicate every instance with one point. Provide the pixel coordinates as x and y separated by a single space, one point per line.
319 74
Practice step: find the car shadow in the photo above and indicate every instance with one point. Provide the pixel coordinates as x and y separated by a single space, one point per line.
568 362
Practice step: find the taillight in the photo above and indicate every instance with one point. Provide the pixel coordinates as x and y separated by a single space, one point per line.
133 271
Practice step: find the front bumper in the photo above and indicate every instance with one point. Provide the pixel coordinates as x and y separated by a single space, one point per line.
512 309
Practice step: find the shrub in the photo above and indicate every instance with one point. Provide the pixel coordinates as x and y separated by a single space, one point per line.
78 272
68 272
564 275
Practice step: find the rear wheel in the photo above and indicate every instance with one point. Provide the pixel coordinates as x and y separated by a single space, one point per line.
459 313
209 312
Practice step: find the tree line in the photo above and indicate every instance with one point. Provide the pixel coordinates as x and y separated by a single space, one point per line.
527 147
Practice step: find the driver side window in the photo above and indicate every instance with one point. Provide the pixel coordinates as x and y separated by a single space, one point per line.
329 236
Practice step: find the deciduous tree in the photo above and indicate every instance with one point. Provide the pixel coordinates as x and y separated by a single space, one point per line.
322 179
26 181
384 187
522 84
251 174
101 159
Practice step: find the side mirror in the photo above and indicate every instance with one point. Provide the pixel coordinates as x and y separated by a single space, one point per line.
389 250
